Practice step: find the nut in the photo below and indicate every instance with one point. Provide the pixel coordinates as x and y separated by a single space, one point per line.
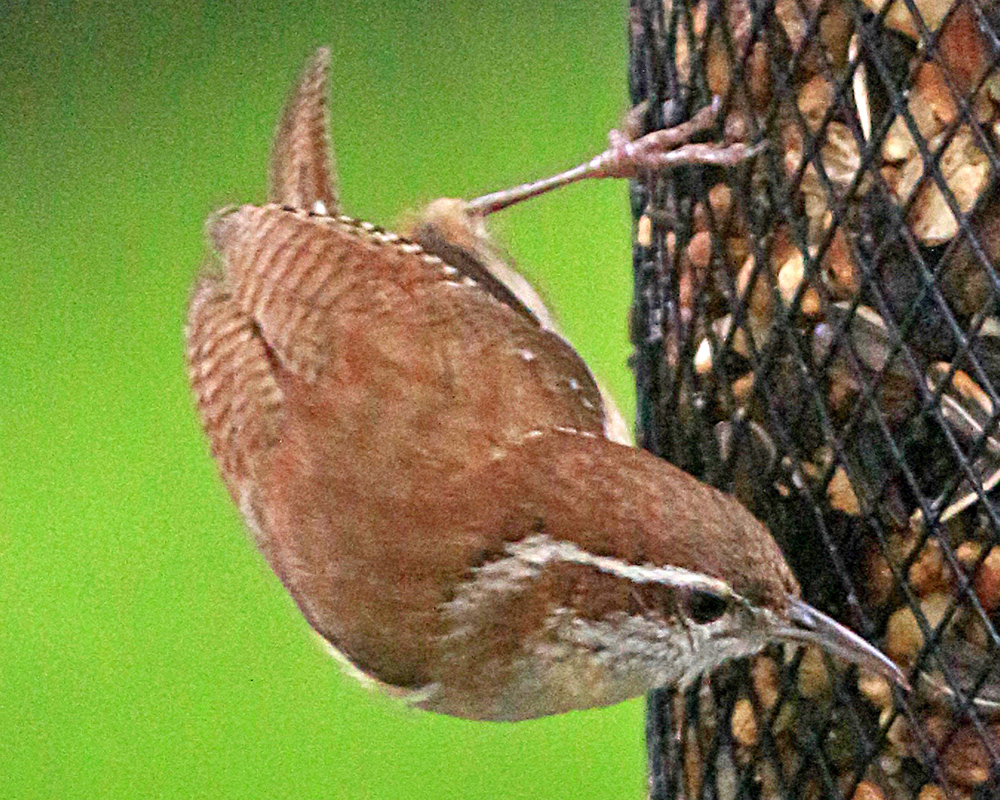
880 581
743 724
876 689
766 680
644 231
930 87
987 581
742 387
899 142
790 277
814 100
868 791
899 17
966 759
699 250
841 495
963 49
967 553
838 267
927 573
903 636
758 298
835 28
758 76
965 169
814 678
720 198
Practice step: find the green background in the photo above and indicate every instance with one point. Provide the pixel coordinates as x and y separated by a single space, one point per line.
145 649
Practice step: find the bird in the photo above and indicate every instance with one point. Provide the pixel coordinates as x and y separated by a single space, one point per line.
433 473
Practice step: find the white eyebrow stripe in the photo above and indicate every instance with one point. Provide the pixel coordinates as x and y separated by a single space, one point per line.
541 550
528 559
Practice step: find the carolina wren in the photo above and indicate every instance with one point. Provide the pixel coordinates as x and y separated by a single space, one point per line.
433 473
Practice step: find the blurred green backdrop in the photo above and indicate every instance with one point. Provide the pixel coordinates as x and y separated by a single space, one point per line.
145 649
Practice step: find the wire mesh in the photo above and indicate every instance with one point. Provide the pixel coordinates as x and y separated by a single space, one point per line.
818 331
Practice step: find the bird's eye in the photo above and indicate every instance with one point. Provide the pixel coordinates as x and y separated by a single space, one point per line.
704 607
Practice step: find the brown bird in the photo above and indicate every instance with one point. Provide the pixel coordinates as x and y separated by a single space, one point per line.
433 473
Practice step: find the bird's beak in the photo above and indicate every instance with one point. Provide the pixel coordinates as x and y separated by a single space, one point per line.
809 626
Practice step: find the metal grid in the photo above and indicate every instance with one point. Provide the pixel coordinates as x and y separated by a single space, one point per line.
818 331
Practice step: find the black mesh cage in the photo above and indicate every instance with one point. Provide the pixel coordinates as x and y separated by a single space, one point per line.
817 330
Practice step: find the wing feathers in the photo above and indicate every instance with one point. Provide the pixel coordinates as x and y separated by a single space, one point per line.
230 369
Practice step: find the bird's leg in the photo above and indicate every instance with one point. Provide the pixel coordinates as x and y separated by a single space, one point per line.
629 157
